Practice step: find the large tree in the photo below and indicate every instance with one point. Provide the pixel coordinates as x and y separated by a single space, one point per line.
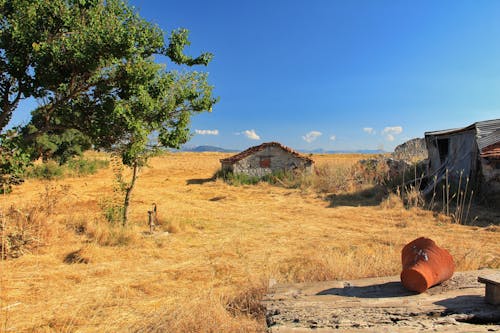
90 64
140 109
55 50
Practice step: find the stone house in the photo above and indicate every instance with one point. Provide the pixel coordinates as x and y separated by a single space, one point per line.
265 159
473 151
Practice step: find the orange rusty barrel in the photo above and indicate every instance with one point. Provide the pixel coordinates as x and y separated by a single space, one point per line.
425 264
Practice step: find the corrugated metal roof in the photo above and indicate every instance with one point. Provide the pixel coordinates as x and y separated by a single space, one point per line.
450 131
487 132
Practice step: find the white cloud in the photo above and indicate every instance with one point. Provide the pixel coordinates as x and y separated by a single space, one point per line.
207 132
393 130
390 132
251 134
311 136
369 130
333 137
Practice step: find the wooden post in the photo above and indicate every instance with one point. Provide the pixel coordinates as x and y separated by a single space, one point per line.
155 218
152 219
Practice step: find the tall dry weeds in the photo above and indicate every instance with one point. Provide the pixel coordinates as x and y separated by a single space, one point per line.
30 226
331 178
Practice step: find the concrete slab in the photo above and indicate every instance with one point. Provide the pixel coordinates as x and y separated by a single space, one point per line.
382 305
492 283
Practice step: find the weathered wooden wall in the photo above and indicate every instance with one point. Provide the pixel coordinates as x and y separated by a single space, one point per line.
462 154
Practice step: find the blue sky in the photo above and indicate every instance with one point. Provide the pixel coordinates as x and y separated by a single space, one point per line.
338 74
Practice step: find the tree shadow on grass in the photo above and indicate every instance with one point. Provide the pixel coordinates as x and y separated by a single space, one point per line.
199 181
383 290
372 196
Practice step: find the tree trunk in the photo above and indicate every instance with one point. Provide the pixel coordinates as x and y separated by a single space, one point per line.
128 193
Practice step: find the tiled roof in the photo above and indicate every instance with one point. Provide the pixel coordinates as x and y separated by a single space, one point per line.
252 150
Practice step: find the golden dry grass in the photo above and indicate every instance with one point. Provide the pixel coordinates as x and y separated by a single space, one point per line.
225 244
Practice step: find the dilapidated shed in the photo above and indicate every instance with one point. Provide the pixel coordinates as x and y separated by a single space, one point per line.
473 151
266 158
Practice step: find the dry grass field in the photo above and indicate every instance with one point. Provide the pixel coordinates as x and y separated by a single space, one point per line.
224 244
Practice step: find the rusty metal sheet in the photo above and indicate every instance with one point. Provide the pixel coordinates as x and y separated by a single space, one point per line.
491 151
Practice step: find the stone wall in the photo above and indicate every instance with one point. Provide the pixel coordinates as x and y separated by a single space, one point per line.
269 160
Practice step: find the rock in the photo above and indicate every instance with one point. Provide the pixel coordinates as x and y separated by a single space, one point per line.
381 305
411 151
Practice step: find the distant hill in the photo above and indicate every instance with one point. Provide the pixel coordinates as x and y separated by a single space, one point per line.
370 151
360 151
201 149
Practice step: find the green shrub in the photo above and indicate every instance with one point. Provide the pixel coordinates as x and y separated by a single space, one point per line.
111 211
286 178
77 167
82 167
238 179
13 161
46 170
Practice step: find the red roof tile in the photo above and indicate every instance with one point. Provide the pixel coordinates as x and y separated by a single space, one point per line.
252 150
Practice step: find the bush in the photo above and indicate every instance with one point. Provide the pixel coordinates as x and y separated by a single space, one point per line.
82 167
237 179
285 178
13 161
22 231
47 170
77 167
113 213
26 228
331 178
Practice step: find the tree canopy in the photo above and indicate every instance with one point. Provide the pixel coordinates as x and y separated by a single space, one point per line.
91 66
55 50
89 63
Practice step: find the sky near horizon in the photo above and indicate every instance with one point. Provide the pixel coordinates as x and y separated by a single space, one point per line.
337 75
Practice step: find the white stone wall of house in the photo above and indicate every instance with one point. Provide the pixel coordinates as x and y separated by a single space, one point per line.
269 160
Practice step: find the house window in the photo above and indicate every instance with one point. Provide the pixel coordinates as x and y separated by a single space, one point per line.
443 147
265 162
